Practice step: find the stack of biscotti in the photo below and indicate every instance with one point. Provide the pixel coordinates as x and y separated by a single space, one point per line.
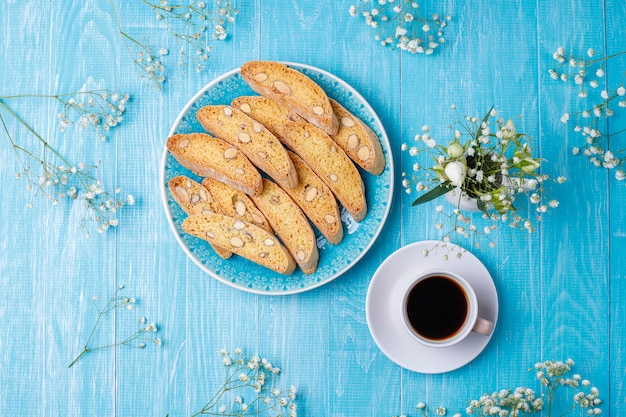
318 150
308 144
273 211
230 221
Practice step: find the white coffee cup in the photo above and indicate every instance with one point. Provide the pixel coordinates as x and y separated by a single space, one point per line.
440 309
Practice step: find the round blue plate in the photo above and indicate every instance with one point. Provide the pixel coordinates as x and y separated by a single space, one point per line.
334 260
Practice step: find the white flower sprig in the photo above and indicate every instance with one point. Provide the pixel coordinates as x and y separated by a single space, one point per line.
254 376
588 75
137 339
193 26
554 376
49 174
487 166
398 23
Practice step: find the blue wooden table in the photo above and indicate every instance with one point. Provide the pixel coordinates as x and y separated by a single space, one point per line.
561 290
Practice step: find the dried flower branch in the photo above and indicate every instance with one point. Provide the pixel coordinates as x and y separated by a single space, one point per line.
554 376
193 26
50 174
254 376
589 75
137 339
399 24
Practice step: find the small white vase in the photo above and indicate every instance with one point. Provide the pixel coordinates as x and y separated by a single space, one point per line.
461 200
464 202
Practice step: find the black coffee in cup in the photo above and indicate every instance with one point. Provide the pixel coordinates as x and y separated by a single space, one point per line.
437 307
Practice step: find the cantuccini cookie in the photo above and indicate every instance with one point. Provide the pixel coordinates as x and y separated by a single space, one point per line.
331 164
358 140
294 90
290 224
236 204
316 201
252 138
245 239
212 157
193 198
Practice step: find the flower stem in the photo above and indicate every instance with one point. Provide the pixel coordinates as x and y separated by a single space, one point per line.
31 130
85 350
606 58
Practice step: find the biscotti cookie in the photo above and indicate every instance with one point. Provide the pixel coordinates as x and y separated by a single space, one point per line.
290 224
359 142
236 204
212 157
244 239
252 138
270 113
193 198
331 164
294 90
316 201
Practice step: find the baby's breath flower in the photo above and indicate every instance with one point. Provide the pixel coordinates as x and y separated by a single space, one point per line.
136 339
254 391
398 24
187 24
588 119
49 174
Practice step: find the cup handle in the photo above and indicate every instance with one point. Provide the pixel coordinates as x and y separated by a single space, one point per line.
483 326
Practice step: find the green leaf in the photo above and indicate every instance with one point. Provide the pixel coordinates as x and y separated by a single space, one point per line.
438 191
482 206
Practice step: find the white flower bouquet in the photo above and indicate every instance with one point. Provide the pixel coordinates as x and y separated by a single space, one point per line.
489 167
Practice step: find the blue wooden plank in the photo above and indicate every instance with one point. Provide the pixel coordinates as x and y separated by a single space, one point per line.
51 271
615 69
574 244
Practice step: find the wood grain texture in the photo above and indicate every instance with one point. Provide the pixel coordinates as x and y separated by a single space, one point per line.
571 283
617 232
562 291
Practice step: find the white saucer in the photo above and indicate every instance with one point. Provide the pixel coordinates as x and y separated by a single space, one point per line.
385 293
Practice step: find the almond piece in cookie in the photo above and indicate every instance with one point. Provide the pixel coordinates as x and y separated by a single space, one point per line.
359 142
244 239
290 224
252 138
292 89
212 157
